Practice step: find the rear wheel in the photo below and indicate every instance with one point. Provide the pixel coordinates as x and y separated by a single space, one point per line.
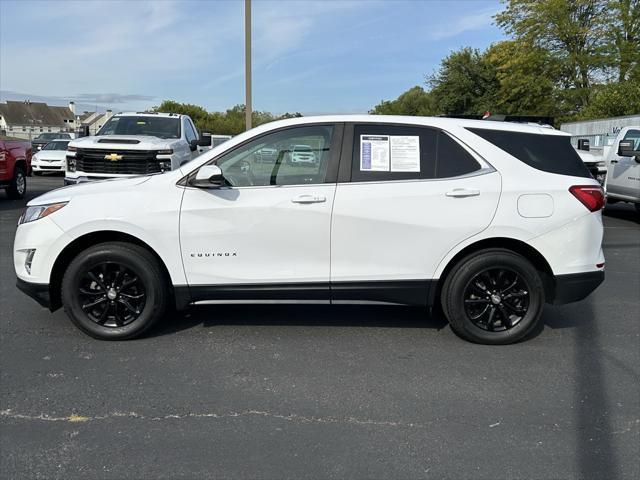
494 297
18 186
114 291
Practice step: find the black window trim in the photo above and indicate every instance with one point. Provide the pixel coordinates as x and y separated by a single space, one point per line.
344 170
331 174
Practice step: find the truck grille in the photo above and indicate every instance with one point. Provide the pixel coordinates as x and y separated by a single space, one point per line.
133 162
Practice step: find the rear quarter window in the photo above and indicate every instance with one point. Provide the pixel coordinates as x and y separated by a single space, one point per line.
549 153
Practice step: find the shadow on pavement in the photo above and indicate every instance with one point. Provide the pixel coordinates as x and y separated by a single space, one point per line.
622 211
595 452
315 315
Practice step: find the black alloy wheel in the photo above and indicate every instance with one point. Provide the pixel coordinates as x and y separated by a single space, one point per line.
115 290
112 295
496 299
493 296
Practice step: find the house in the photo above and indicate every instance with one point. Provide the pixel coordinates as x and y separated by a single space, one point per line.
93 120
28 119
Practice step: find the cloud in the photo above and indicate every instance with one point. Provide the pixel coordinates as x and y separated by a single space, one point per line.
473 21
111 98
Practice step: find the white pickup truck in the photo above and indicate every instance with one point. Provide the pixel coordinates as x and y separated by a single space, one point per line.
136 143
623 167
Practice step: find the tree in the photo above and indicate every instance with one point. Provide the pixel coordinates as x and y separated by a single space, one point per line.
230 122
466 83
613 100
414 101
623 38
526 76
573 33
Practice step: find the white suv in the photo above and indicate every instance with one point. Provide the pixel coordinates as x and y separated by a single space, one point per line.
489 220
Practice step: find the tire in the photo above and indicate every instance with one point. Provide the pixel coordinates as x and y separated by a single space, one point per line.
18 186
493 297
115 291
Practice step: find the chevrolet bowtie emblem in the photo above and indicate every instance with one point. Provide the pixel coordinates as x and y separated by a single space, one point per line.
113 157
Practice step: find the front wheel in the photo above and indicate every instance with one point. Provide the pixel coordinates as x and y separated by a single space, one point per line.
18 186
114 291
493 297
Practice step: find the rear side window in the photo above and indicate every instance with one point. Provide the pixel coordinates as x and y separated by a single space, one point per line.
453 159
369 149
549 153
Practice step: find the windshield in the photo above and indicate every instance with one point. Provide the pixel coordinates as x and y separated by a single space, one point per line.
52 136
162 127
56 146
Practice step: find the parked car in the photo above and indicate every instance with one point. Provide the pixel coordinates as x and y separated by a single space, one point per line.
41 140
15 165
301 154
489 220
130 144
595 164
623 168
52 157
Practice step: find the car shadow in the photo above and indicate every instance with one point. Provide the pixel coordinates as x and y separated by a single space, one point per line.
309 315
622 211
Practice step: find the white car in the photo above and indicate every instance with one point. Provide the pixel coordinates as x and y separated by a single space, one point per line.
302 154
51 158
488 219
133 143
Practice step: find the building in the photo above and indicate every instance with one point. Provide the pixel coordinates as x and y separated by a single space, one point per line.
29 119
600 132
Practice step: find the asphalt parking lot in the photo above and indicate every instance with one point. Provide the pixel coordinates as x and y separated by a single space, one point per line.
272 391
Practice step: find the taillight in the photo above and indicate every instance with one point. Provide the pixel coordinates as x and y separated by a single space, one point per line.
590 196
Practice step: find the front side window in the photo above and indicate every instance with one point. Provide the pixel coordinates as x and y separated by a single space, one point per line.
189 133
161 127
294 156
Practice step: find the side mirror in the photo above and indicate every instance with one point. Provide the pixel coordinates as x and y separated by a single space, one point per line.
193 145
626 149
209 176
205 139
583 144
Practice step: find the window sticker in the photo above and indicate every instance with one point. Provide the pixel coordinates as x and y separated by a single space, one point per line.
374 153
405 153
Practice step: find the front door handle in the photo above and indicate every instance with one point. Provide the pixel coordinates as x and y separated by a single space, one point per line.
462 192
309 199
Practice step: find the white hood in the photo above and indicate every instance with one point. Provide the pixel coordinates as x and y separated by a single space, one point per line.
129 142
114 186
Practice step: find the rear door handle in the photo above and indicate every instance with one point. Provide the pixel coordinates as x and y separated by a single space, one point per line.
309 199
462 192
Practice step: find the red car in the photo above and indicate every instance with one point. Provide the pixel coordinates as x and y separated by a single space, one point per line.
15 165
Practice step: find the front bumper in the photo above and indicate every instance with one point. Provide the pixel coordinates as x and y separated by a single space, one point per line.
38 291
576 286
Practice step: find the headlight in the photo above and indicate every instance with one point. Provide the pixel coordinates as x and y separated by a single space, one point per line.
40 211
71 164
601 164
168 151
71 149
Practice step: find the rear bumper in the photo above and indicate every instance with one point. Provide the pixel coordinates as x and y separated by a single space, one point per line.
576 286
38 291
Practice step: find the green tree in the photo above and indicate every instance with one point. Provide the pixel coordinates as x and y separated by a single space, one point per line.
230 122
613 100
414 101
526 76
573 33
623 38
466 83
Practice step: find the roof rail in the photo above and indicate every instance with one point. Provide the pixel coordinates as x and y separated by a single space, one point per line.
542 120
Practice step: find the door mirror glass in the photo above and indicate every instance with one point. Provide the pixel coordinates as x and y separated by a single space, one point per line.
205 139
208 176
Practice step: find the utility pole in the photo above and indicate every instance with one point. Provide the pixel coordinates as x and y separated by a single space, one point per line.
247 62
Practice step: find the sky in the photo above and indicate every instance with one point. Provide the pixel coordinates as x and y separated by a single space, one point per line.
313 57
